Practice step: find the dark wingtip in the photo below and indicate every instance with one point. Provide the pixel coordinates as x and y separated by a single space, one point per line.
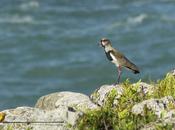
136 71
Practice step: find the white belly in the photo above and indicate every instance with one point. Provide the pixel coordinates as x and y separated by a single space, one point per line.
116 63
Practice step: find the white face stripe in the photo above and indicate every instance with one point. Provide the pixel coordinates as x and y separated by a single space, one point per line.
103 43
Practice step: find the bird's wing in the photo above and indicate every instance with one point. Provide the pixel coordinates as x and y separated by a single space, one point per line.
116 53
123 61
128 64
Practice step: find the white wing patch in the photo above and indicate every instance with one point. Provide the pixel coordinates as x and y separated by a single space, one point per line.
114 59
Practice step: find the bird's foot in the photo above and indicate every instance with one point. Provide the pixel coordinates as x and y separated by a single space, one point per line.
114 84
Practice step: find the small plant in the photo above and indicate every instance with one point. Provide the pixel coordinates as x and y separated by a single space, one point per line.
165 87
100 119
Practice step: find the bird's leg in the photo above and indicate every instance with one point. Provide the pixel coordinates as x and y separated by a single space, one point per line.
119 68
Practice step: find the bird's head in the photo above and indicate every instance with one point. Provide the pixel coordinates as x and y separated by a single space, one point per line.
105 42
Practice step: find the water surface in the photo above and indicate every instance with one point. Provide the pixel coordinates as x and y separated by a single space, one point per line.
51 45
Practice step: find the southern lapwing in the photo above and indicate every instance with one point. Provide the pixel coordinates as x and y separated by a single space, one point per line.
117 58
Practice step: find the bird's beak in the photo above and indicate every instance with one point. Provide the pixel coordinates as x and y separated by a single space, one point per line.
99 44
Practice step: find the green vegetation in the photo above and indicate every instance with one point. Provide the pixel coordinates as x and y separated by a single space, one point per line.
119 116
165 87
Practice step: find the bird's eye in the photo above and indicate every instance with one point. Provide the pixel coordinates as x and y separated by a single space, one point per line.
103 40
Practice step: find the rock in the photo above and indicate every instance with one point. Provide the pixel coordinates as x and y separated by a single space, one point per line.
33 118
72 105
173 72
99 95
52 112
169 117
158 106
144 87
71 100
150 126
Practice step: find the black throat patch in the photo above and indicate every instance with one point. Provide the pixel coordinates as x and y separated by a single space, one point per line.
108 55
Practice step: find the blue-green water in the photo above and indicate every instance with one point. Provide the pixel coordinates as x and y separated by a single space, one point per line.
51 45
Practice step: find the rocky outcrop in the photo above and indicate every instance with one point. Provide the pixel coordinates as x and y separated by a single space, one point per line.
62 110
55 111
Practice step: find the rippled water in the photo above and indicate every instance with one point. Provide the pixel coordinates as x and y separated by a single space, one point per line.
51 45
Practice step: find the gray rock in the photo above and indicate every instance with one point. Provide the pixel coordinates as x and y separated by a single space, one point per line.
23 118
99 95
71 100
169 116
144 87
158 106
150 126
71 105
173 72
52 112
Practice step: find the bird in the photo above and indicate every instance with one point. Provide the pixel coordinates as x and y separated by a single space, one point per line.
116 57
2 116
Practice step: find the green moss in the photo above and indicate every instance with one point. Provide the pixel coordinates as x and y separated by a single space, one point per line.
119 116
